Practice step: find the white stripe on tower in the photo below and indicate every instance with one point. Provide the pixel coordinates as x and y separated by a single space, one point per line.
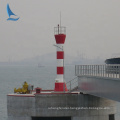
60 47
59 62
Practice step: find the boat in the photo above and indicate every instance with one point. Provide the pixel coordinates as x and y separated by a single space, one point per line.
113 61
39 65
113 66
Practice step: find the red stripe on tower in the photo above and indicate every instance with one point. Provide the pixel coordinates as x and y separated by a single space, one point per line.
60 39
60 55
60 70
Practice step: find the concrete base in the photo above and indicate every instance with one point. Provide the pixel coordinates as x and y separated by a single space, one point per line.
19 118
76 106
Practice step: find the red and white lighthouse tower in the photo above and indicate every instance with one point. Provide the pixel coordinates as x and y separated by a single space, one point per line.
60 35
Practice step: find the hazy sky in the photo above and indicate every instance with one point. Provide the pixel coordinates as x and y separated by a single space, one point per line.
93 27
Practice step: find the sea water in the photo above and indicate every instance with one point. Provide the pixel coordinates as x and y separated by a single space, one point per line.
14 76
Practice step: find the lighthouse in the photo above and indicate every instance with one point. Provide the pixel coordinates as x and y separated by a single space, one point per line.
60 35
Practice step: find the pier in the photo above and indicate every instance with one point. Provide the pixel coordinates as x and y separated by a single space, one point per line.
59 106
99 80
91 95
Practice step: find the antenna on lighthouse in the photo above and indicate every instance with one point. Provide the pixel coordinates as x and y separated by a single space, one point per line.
60 18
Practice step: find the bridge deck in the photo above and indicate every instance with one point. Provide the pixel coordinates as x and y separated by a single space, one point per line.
99 80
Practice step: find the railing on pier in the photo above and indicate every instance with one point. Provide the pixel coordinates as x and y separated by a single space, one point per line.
72 85
107 70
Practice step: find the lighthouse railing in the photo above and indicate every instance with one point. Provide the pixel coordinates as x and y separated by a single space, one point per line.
59 30
72 85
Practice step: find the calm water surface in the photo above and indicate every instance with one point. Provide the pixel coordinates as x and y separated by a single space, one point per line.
14 76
